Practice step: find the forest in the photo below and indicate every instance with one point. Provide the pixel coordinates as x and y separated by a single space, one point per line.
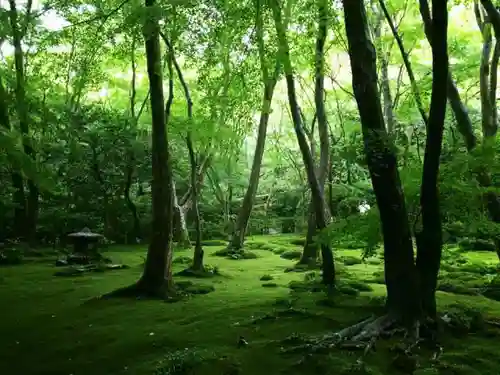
236 187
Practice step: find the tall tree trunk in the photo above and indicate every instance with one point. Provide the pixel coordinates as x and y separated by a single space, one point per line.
157 276
130 156
464 123
314 184
400 272
32 204
430 241
310 251
18 196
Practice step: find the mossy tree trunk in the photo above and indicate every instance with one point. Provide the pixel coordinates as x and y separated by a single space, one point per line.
157 276
400 273
316 189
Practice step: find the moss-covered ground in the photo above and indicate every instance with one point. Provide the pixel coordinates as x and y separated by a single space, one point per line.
51 325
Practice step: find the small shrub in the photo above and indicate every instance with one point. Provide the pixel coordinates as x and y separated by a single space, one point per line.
11 257
463 319
492 290
266 278
270 285
351 261
291 255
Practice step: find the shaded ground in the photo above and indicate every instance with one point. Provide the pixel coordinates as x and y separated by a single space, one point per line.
48 327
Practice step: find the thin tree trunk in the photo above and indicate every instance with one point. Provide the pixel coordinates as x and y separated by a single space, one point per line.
310 251
406 60
198 250
269 83
400 272
130 157
430 240
32 204
484 72
315 186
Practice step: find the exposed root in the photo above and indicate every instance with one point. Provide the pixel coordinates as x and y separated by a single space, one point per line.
360 336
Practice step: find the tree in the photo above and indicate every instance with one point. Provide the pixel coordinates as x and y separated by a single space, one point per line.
316 190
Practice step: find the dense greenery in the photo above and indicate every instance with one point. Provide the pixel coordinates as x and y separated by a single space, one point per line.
325 146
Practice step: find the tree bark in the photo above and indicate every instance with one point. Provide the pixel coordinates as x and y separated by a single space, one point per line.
429 240
316 189
157 276
400 272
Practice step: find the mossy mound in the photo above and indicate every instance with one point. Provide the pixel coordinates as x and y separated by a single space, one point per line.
476 244
235 254
350 260
206 272
291 255
266 278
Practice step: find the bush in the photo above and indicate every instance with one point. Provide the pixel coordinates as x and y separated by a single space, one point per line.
291 254
10 257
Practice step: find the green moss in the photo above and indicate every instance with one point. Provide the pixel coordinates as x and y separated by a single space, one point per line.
266 278
55 321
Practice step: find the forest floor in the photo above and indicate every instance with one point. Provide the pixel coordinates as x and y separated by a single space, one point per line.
49 327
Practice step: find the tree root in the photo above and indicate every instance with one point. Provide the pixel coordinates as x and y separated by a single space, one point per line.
360 336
